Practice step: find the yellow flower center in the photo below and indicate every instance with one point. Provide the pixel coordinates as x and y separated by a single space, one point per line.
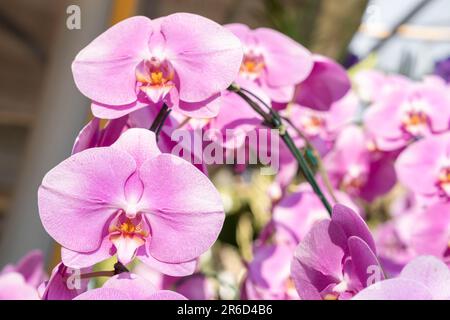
154 73
313 124
415 119
128 228
252 65
157 78
330 296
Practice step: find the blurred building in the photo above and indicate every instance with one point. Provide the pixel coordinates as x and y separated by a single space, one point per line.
40 108
422 36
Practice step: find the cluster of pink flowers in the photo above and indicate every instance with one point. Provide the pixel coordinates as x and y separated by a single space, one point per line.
380 153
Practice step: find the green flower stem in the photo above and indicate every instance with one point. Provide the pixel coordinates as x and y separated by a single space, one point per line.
97 274
313 155
273 120
305 169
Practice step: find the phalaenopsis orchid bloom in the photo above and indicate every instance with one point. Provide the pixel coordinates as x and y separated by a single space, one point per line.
272 60
356 168
268 275
21 281
131 200
336 259
424 168
327 83
409 113
183 60
295 214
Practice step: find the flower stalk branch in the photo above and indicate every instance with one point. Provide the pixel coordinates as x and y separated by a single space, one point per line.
118 269
159 120
273 120
314 157
96 274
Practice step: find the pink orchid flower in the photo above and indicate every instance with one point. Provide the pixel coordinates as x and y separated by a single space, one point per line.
196 287
31 267
393 252
13 286
131 200
417 231
94 135
21 281
424 168
193 287
324 125
320 127
236 117
408 114
327 83
336 259
424 278
183 60
64 284
268 276
128 286
427 232
272 60
358 170
374 85
296 213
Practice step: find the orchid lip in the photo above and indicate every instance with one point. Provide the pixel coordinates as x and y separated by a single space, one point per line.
313 124
129 226
415 123
127 235
354 179
415 120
